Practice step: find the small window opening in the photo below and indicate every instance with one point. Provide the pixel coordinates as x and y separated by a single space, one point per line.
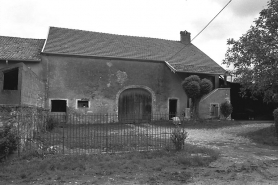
82 104
11 80
58 105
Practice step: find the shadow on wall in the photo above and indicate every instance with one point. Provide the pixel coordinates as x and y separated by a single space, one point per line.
246 108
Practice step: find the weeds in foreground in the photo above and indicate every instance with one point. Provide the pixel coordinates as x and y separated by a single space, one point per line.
178 137
145 167
8 141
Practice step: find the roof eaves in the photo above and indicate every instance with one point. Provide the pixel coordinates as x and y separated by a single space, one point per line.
26 60
171 67
105 57
206 73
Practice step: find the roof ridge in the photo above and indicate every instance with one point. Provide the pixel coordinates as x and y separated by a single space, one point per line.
115 34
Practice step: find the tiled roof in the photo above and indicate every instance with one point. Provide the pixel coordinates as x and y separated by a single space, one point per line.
14 48
78 42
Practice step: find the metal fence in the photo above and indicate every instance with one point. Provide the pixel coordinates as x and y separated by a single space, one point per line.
92 134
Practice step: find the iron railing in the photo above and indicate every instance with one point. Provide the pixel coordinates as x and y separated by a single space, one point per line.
96 133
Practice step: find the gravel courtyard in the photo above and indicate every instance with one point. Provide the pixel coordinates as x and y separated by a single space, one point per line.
241 161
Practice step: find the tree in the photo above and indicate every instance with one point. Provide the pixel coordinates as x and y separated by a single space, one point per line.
254 56
195 88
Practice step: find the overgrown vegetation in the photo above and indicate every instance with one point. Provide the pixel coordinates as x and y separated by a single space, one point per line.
152 167
51 123
226 109
178 137
8 141
195 88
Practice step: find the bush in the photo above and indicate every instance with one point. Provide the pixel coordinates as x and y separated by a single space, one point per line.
51 123
275 115
8 141
226 109
178 136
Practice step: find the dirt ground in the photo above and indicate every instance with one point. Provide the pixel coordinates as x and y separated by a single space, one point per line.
241 161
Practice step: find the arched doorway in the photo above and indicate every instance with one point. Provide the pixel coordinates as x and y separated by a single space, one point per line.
135 105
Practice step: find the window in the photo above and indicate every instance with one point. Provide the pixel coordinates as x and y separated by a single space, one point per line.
11 79
58 105
82 104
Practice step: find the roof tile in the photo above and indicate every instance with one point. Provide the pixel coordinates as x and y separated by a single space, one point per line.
14 48
184 58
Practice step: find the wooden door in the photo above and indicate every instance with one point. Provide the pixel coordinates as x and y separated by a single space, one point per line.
135 106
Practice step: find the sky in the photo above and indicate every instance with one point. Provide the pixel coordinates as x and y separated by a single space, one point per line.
162 19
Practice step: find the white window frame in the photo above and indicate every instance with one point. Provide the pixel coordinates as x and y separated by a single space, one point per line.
76 104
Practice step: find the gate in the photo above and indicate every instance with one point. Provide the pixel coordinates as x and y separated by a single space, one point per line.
135 105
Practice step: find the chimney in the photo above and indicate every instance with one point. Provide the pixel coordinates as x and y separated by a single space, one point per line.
185 37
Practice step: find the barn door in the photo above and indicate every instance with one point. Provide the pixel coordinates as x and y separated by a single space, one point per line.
135 106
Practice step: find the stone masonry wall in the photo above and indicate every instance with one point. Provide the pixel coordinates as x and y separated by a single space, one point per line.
100 81
217 96
33 89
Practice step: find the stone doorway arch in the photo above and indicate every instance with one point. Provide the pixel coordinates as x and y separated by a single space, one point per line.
134 105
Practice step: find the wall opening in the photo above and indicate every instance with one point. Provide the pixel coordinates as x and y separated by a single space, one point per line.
214 110
58 105
11 79
135 105
82 104
173 107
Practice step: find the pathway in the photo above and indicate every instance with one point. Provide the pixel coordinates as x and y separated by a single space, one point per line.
241 161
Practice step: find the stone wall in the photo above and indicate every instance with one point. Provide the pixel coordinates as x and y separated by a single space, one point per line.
30 90
33 89
11 97
101 80
216 97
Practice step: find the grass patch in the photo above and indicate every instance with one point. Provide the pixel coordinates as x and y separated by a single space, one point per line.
266 136
144 167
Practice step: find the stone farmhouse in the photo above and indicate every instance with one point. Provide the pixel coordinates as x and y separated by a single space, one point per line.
76 71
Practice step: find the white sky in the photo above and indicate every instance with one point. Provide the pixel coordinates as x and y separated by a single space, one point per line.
148 18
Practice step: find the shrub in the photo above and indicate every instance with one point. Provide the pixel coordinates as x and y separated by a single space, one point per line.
8 141
178 136
275 115
206 86
51 123
226 109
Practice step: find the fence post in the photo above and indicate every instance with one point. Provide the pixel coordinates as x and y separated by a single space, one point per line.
63 139
19 138
106 139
